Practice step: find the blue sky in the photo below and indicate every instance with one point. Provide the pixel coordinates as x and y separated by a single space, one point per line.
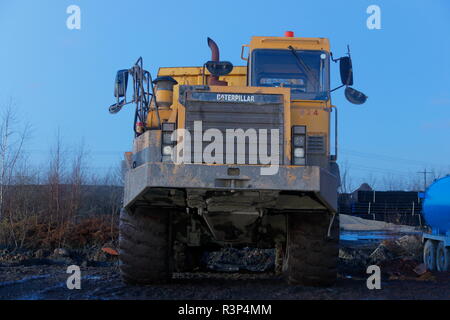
61 78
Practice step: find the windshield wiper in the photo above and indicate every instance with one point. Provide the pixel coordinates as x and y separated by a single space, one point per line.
305 67
299 60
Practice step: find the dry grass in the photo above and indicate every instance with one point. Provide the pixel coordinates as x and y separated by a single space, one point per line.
31 234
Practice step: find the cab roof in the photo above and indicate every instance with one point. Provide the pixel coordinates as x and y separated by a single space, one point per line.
285 42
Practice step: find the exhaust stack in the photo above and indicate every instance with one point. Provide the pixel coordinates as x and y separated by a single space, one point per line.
215 53
215 57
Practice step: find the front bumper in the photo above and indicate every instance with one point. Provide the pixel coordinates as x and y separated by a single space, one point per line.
312 179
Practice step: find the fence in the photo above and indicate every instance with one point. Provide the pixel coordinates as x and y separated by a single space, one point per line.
390 206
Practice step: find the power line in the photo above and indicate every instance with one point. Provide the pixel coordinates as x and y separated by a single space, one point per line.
425 172
99 152
378 170
388 158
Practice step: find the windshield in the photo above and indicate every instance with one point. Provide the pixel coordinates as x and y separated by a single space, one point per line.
305 72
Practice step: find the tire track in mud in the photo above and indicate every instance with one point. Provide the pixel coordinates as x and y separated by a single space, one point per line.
24 280
14 290
104 283
48 282
60 290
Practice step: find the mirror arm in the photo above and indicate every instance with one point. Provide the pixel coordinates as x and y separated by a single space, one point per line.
143 94
338 59
333 59
337 88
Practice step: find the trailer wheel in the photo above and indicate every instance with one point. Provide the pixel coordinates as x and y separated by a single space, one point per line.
144 246
429 255
312 256
442 257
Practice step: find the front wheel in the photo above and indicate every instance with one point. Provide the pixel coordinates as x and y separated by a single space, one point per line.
312 255
144 245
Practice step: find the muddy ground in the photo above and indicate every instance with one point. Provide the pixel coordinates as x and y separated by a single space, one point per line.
49 282
46 279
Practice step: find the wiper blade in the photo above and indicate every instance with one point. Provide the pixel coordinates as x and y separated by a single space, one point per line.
305 67
299 60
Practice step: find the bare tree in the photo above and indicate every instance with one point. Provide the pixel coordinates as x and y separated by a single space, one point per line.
438 173
11 144
114 180
414 182
394 182
74 188
55 175
372 181
76 179
346 178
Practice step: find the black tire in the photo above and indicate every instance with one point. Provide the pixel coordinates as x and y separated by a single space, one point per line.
442 257
144 246
429 255
312 256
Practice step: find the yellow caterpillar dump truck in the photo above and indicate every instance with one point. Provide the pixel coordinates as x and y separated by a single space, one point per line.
234 156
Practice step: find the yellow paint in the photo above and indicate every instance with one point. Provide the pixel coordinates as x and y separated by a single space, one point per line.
164 97
313 114
285 42
195 76
152 119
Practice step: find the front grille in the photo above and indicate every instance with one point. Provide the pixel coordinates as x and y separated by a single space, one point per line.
316 144
263 112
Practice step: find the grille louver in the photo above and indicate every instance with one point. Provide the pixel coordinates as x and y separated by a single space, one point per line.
316 144
267 112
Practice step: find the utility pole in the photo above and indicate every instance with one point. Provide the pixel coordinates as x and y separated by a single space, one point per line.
425 172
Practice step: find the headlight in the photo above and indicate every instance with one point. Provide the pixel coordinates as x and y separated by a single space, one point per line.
167 151
299 145
299 141
167 144
167 138
299 153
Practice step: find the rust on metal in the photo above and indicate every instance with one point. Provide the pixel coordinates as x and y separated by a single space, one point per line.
215 56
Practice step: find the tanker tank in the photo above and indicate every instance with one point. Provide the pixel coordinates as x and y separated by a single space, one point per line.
436 206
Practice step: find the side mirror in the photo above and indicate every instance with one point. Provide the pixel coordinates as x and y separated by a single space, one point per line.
355 96
346 68
120 88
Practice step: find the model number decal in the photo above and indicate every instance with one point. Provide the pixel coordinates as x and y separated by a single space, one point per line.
309 112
